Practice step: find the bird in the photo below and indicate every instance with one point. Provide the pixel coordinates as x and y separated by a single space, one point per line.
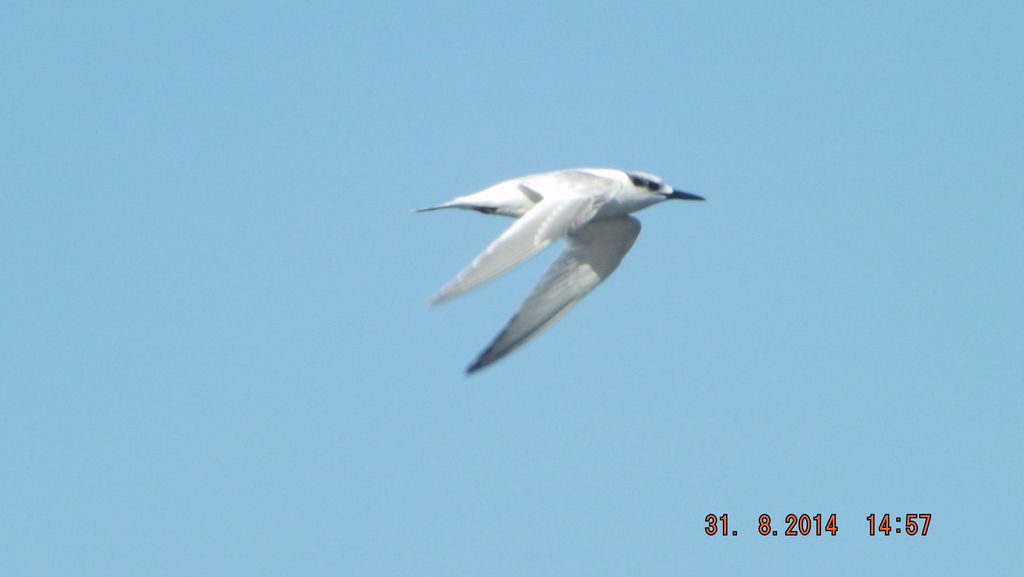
590 207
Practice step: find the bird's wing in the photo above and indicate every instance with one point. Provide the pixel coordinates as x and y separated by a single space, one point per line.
554 216
591 254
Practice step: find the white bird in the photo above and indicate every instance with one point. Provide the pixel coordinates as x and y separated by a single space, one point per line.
588 206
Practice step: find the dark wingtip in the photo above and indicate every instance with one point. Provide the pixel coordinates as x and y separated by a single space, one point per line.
479 363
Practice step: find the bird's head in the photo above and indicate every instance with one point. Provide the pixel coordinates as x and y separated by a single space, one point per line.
654 184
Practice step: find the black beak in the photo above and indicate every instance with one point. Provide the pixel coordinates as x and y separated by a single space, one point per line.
684 195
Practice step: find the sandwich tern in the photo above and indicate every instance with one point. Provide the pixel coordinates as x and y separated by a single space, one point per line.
588 206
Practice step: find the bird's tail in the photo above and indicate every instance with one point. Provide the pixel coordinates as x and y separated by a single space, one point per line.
430 208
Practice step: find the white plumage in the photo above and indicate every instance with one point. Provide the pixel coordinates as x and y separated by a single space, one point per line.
588 206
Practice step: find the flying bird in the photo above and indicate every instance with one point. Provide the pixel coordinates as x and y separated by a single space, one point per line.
588 206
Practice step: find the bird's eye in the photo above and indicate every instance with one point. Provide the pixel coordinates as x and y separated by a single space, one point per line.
642 181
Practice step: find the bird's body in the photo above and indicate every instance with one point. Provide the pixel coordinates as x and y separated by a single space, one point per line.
588 206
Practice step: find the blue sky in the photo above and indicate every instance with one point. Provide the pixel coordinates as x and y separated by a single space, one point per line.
218 358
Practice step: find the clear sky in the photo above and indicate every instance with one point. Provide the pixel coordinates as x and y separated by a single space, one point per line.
217 357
